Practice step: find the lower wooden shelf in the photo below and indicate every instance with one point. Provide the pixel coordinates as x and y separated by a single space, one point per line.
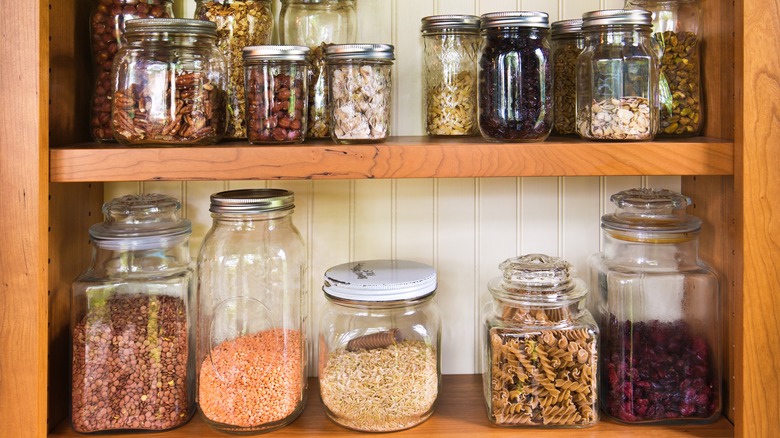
459 412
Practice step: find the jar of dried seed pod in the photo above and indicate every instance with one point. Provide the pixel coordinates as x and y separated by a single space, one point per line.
169 84
541 346
381 328
567 42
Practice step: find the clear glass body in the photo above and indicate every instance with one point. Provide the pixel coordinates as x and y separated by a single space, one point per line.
276 101
515 84
107 27
617 84
239 24
566 49
252 316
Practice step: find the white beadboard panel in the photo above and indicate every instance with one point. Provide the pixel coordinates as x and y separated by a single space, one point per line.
485 6
664 182
198 199
372 229
414 216
115 190
549 6
375 21
455 7
610 4
170 188
580 236
575 8
539 220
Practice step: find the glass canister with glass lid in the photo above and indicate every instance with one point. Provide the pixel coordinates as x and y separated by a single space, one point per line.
567 43
540 360
380 335
617 77
657 305
252 313
133 362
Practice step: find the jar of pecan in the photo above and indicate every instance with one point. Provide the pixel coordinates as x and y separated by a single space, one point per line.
169 84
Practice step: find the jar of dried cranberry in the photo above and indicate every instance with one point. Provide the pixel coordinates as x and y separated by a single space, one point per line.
515 77
657 305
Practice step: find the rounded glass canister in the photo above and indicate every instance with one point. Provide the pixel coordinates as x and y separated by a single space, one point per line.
107 28
515 77
360 89
380 336
239 24
451 45
541 347
567 42
169 84
276 93
617 77
131 317
253 307
658 308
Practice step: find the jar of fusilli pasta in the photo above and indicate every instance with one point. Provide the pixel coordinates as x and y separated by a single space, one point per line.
541 346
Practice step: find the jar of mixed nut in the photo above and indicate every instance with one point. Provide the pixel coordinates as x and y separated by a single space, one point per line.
540 358
169 84
360 89
239 24
380 335
617 77
107 27
567 42
450 74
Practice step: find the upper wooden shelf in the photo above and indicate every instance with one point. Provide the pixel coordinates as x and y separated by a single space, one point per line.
399 157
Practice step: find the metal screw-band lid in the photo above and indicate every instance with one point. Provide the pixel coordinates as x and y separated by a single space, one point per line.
252 201
566 27
359 51
455 22
515 19
611 17
275 53
184 26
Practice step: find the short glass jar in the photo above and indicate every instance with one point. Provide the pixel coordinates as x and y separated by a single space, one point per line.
451 47
239 24
360 87
276 93
515 77
131 318
658 308
567 42
379 349
169 84
540 359
617 77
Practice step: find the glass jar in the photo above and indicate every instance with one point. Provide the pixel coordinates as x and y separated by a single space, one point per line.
169 84
676 28
451 44
253 310
617 77
658 308
314 23
239 24
541 347
276 93
360 89
133 363
382 329
567 42
107 28
515 77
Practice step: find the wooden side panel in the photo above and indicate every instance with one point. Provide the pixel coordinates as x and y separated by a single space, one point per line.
718 18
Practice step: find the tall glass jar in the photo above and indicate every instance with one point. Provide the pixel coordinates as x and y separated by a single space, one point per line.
239 24
169 84
658 308
131 320
567 42
450 74
360 88
617 77
107 28
380 338
252 312
315 23
676 28
515 77
541 347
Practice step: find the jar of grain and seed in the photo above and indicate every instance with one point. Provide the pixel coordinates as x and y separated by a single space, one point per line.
617 77
133 362
567 42
276 93
450 74
253 309
540 359
676 28
360 90
169 84
381 328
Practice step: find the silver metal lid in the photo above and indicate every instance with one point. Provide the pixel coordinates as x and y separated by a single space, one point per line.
566 27
379 281
359 51
252 201
650 211
611 17
450 22
275 53
170 25
515 19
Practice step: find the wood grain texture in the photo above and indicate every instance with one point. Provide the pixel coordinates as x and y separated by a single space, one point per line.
717 30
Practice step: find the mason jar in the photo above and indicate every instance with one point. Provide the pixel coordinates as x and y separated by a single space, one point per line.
567 43
541 346
133 358
379 347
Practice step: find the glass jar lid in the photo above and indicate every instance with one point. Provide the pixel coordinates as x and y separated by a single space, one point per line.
359 51
650 211
611 17
179 26
566 27
462 23
275 53
379 281
535 279
252 201
515 19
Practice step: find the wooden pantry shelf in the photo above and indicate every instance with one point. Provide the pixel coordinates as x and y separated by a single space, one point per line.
399 157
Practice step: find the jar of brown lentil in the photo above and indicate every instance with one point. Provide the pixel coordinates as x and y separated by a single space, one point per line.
567 44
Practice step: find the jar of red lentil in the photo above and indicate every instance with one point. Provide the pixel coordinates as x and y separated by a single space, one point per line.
381 328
